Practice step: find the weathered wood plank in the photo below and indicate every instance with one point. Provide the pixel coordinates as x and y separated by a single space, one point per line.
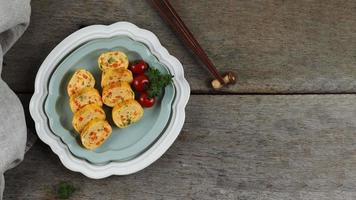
255 147
275 46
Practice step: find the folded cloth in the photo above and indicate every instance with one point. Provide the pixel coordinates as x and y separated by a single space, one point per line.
14 19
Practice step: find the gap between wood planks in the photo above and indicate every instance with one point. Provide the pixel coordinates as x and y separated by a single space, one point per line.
243 93
270 94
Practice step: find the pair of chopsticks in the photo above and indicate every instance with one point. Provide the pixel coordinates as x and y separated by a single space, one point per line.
169 14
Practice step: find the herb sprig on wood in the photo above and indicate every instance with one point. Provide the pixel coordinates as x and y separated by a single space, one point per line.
65 190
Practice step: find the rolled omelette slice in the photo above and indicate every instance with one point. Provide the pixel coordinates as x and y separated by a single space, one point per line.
95 133
116 93
127 113
113 60
114 75
85 115
85 97
80 80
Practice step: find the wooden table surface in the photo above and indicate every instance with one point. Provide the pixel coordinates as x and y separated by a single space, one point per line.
286 131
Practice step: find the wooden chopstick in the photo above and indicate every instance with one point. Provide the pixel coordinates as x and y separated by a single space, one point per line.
169 14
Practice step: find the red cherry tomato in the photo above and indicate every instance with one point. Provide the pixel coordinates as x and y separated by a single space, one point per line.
139 67
145 100
140 82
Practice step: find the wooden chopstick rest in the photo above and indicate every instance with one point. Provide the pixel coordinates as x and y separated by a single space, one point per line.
229 79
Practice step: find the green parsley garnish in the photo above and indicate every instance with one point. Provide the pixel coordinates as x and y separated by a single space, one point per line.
111 60
65 190
128 121
81 98
157 81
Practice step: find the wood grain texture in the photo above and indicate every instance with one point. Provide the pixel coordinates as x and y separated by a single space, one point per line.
275 46
263 147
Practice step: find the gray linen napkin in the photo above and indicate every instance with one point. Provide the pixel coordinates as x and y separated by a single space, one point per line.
14 19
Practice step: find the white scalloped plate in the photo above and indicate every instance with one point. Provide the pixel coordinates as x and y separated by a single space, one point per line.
123 144
113 168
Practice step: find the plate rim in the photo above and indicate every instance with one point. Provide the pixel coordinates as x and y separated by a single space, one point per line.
112 168
97 158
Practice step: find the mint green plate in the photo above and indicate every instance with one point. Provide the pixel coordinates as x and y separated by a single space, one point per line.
123 144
